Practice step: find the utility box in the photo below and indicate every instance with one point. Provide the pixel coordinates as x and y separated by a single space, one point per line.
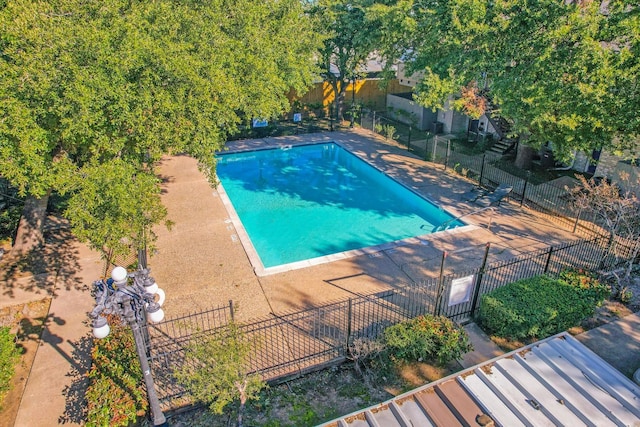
436 128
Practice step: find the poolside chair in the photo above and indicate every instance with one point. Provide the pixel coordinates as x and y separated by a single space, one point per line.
472 194
495 197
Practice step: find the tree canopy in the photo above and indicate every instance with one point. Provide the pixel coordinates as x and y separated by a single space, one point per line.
94 93
564 72
350 37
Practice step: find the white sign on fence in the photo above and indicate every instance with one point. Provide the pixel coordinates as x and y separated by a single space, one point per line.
260 123
461 290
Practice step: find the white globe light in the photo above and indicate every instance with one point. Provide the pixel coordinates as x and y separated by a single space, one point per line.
101 328
155 316
119 274
152 289
161 296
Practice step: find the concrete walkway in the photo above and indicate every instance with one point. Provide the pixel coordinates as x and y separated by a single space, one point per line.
483 348
55 389
617 342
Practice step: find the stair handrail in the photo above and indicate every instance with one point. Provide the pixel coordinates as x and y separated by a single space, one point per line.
436 229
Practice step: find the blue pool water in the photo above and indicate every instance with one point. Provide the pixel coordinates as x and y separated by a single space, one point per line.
314 200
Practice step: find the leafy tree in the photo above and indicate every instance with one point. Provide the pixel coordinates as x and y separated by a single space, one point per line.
94 93
347 45
563 72
216 370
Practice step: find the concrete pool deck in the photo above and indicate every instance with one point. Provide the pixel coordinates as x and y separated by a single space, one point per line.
201 262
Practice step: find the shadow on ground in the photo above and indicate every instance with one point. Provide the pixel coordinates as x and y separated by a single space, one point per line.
75 410
38 272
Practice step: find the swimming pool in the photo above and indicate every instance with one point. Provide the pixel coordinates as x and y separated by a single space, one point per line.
303 202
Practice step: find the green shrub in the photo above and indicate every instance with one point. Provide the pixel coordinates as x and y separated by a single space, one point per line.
9 355
586 283
389 132
427 338
541 306
116 394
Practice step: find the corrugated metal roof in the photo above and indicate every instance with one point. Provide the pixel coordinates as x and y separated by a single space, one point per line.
557 381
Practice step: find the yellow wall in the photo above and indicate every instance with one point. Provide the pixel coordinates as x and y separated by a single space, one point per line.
368 92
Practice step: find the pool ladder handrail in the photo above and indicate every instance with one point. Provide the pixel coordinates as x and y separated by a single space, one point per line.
447 222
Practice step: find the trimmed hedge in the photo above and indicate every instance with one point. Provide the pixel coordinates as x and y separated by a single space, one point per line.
427 338
541 306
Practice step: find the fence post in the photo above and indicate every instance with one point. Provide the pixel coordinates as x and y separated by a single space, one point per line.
440 285
435 148
349 314
524 190
575 225
231 310
546 265
476 292
409 140
604 262
446 157
481 170
373 126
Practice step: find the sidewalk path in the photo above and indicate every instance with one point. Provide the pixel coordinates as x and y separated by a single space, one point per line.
483 348
617 342
56 386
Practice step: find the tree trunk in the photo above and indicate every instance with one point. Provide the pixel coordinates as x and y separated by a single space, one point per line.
524 157
339 91
243 401
30 229
340 101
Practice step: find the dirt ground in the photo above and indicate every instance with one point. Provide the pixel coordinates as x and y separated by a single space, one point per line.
27 322
320 397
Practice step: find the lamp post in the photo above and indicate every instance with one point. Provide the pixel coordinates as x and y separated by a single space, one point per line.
129 296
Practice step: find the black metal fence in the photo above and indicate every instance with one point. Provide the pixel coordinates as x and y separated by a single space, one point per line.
549 199
295 343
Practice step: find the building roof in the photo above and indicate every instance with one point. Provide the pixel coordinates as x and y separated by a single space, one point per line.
557 381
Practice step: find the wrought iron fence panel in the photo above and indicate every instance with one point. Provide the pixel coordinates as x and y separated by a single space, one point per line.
287 345
493 176
438 149
503 272
586 254
466 165
370 315
171 394
421 298
171 334
550 198
624 248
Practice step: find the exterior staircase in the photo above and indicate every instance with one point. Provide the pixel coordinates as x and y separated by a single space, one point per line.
503 144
